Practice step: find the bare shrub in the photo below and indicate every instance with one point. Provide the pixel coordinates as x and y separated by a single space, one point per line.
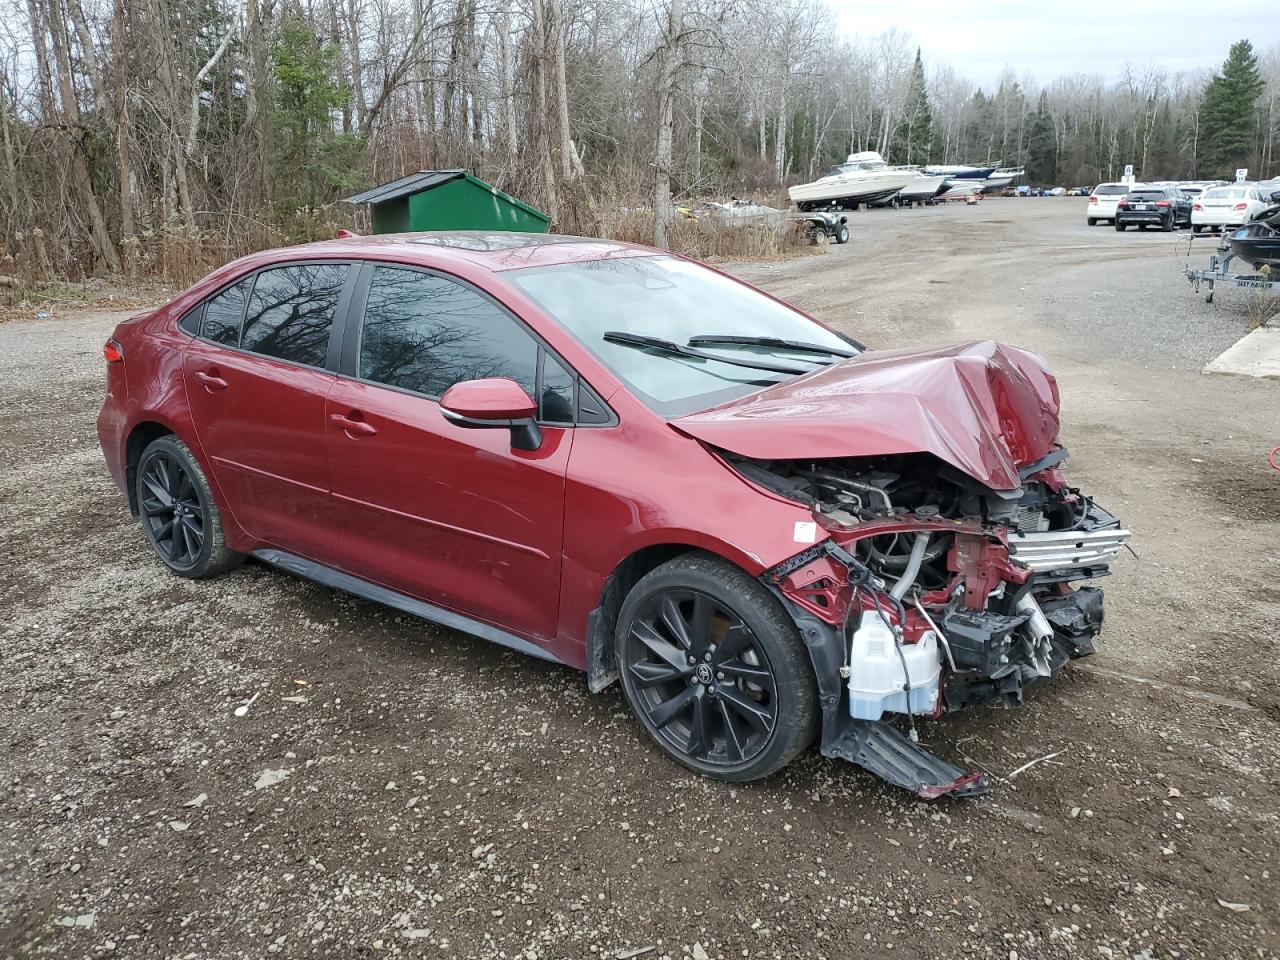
707 239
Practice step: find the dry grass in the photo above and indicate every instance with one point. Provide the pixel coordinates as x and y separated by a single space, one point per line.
1264 302
170 257
160 261
706 239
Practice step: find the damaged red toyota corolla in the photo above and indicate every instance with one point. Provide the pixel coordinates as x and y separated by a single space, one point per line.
627 462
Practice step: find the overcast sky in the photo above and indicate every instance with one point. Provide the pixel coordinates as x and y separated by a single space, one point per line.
979 37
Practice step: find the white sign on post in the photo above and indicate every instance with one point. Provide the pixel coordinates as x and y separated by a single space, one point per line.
1128 173
1241 173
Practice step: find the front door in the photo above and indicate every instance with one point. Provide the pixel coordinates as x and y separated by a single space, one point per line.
451 515
256 384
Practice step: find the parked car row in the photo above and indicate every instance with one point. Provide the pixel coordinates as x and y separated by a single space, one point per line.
1200 205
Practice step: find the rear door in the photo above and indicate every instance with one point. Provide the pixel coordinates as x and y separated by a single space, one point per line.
451 515
257 376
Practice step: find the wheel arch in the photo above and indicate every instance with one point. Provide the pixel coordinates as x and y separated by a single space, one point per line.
141 435
602 666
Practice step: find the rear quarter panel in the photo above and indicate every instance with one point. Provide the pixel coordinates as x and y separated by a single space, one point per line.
152 390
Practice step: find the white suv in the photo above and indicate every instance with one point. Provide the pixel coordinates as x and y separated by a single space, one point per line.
1227 206
1104 200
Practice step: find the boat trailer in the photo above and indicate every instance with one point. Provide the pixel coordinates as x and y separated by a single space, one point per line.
1219 271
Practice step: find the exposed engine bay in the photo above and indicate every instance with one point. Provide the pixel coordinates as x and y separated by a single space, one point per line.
944 593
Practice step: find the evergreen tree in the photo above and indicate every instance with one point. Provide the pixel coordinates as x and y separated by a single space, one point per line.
1228 121
1042 147
913 139
313 160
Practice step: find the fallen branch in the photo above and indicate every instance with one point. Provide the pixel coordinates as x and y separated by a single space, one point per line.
1032 763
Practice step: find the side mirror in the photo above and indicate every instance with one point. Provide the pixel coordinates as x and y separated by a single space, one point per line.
494 402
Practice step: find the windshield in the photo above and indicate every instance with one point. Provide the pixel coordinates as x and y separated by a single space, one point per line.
675 300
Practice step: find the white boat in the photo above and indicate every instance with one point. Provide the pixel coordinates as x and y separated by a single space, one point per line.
959 173
863 178
1001 178
921 189
962 190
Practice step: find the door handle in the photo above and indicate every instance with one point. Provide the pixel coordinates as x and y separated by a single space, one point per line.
211 381
354 428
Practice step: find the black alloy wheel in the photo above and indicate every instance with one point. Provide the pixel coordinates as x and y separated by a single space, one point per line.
178 513
172 511
702 678
713 669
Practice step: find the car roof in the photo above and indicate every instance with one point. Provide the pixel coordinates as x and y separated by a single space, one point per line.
493 250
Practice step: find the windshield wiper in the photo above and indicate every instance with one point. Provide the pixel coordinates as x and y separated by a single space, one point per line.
799 346
670 346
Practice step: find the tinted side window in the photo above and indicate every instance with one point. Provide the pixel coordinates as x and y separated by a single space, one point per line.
555 392
223 313
291 312
426 333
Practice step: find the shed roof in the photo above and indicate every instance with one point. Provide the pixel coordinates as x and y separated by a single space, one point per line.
412 183
428 180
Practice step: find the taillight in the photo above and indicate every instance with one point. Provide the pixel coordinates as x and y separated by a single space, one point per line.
1241 206
1196 206
112 351
1093 199
1123 203
1162 203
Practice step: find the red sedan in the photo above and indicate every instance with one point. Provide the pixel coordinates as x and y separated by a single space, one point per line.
630 463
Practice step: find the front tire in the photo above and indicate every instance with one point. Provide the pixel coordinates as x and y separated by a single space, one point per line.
179 517
712 667
842 236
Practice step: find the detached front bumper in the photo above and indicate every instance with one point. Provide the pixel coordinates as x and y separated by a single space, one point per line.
1008 618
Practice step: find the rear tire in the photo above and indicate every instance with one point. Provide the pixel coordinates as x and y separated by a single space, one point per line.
1120 226
714 670
179 517
1093 221
1167 226
1196 228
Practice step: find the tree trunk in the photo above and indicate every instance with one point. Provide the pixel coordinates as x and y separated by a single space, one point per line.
506 95
99 237
780 136
357 62
667 73
538 81
122 121
175 152
570 167
254 86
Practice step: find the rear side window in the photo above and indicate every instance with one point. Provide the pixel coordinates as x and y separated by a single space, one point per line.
425 333
223 313
290 314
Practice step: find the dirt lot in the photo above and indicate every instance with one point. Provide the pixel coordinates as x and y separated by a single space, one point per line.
446 798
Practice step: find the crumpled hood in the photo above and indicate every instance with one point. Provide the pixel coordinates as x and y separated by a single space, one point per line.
983 407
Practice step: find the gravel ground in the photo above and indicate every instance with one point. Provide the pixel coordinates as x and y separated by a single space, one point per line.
399 789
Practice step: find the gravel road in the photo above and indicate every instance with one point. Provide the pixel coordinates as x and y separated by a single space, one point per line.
399 789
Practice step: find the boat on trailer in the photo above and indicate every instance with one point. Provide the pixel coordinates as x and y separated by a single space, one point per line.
1258 241
959 173
863 178
1001 178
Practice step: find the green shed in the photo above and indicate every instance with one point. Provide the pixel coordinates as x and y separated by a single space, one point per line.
447 200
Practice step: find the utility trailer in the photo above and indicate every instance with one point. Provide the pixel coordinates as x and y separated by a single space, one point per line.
1220 271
